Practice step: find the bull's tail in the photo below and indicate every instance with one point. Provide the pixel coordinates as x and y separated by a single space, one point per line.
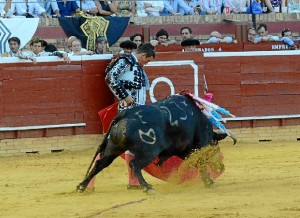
101 148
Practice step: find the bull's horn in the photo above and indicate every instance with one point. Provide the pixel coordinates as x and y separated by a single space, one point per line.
233 136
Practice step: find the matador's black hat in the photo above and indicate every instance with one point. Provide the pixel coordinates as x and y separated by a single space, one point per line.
128 44
190 42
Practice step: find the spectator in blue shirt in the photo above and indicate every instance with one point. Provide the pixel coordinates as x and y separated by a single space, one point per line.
67 8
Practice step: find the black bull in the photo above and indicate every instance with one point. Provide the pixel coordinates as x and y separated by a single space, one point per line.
173 126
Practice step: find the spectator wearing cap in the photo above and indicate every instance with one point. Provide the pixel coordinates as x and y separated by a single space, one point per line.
101 45
127 47
190 44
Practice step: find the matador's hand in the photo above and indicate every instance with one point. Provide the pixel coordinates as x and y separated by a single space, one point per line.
129 100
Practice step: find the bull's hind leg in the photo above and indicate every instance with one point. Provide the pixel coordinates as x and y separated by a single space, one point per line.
137 165
100 164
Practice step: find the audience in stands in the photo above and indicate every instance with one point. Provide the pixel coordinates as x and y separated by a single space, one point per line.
294 6
29 9
7 8
162 38
101 45
106 8
76 48
186 32
275 5
216 37
149 8
287 38
251 35
210 7
237 6
194 5
43 45
88 7
67 8
190 44
126 8
14 46
50 7
137 38
127 47
178 6
50 48
262 31
35 51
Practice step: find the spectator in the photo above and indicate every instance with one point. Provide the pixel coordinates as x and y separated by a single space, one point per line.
43 45
274 5
193 4
251 35
50 7
178 6
69 44
162 38
67 8
101 45
211 7
216 37
76 48
7 8
127 47
294 6
106 8
237 6
126 8
30 8
50 48
36 46
262 31
88 7
137 38
190 44
287 38
14 46
186 32
149 8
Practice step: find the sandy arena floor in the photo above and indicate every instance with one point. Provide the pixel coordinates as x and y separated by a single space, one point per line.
260 180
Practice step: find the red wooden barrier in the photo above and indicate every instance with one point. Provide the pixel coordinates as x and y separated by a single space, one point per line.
51 93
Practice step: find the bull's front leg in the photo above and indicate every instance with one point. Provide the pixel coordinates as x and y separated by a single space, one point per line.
137 171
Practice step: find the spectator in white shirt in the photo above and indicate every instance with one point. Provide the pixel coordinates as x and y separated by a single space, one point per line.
50 7
7 8
30 8
88 7
149 8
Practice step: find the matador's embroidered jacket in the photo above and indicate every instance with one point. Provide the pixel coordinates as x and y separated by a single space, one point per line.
127 77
